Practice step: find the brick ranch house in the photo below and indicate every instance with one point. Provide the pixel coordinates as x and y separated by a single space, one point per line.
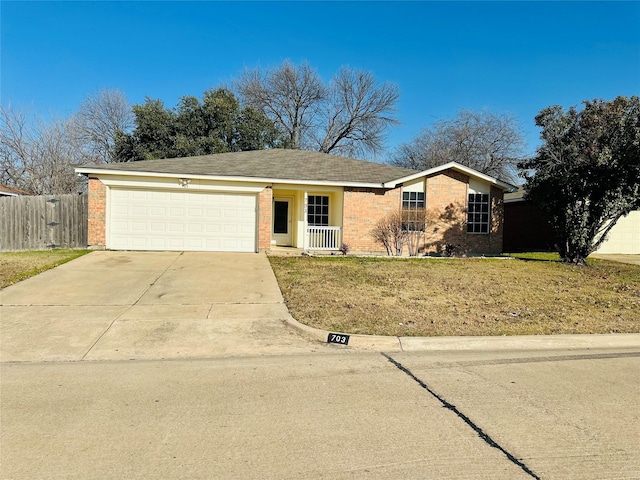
252 201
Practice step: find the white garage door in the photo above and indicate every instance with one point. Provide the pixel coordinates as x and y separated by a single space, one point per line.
181 220
624 237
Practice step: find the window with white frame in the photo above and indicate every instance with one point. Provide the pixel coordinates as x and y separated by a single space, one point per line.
478 213
413 211
318 210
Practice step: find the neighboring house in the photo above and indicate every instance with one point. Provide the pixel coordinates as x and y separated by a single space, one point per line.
252 201
526 229
624 237
11 191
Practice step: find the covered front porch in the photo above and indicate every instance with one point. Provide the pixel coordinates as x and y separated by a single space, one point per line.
307 219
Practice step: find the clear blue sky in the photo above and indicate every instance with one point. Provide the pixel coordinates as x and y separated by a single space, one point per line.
510 57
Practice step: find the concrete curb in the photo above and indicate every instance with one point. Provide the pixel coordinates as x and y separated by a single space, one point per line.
523 342
360 342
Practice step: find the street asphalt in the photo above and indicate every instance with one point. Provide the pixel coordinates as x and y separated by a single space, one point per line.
185 365
419 415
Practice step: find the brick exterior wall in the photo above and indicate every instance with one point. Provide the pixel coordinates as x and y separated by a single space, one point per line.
446 202
97 234
265 212
363 207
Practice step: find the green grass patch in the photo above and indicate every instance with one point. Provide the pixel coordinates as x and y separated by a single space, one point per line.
16 266
541 256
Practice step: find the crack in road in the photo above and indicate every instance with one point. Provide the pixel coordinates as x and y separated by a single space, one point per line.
490 441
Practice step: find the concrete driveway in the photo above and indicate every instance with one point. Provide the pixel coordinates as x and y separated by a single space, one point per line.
144 305
614 257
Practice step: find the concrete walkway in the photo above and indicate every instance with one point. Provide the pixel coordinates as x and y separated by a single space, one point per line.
142 305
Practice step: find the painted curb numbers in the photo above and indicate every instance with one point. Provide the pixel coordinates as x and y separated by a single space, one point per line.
338 338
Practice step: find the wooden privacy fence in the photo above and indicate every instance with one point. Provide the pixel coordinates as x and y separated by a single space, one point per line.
43 221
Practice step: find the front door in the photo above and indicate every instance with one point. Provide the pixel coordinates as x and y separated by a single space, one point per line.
282 221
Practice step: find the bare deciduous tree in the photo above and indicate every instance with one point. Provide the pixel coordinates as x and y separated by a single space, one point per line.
289 95
349 115
391 232
101 117
490 143
35 156
358 113
15 140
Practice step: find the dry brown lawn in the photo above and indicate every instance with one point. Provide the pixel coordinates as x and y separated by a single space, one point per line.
472 296
16 266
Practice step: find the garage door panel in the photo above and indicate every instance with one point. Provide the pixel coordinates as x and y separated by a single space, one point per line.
140 211
195 243
159 227
155 243
156 211
136 242
169 220
138 194
247 214
214 213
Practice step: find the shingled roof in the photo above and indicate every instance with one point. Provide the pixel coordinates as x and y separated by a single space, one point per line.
11 191
280 164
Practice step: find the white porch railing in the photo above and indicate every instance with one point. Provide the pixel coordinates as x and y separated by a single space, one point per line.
323 238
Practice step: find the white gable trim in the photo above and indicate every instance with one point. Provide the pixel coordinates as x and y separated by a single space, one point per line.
454 166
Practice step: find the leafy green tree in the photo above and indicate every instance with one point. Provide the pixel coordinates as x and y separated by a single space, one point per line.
216 124
153 134
586 174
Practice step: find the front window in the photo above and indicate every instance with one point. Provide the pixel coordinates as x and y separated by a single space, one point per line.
478 213
413 211
318 210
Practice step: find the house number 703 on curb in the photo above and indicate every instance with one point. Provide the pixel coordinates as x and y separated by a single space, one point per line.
338 338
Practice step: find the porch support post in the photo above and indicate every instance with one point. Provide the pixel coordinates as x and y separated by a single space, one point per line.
305 209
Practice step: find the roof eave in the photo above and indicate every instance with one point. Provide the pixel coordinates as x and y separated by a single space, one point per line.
227 178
